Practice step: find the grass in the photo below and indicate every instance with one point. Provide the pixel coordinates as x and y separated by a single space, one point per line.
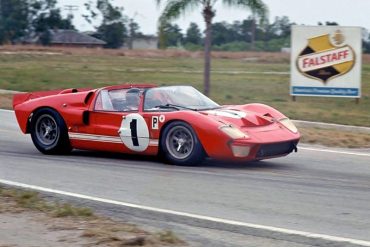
168 236
232 82
66 209
335 138
32 200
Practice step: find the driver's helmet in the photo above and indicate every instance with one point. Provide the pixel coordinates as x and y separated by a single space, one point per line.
132 97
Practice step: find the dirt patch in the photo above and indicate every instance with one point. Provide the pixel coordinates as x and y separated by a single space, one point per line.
26 219
6 101
34 229
247 56
268 57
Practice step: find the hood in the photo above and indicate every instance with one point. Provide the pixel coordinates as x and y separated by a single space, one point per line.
239 117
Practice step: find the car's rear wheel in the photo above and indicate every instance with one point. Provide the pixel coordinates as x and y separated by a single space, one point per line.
49 132
181 145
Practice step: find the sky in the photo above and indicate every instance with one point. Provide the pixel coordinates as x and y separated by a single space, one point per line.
308 12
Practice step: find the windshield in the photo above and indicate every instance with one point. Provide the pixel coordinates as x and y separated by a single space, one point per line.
177 97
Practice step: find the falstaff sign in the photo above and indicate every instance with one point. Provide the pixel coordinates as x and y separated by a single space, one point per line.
326 61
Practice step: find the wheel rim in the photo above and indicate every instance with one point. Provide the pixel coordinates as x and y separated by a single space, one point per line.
180 142
47 131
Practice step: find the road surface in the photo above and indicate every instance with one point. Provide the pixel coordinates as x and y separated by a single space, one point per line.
310 191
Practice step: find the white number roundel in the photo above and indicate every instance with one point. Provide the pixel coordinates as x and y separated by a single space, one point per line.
134 132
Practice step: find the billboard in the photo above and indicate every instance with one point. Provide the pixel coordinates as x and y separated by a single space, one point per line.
326 61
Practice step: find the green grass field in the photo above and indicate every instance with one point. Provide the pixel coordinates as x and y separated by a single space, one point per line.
234 81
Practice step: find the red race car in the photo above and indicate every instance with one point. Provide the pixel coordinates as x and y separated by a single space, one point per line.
177 122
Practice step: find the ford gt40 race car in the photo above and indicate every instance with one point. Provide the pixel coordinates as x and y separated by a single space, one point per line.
177 122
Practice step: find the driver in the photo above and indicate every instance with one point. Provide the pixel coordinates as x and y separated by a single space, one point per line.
132 99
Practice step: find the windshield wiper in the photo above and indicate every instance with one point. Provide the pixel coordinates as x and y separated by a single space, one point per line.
173 106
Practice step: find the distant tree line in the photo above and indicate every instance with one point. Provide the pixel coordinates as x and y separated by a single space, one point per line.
245 35
20 19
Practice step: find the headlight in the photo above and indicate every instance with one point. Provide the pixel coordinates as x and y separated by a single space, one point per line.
240 151
233 132
288 124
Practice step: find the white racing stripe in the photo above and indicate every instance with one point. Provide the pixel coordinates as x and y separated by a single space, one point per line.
90 137
193 216
103 138
334 151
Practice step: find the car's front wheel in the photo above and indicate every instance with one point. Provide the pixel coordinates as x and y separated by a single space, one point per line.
49 132
181 145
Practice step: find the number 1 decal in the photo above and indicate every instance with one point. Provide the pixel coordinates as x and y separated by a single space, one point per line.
133 128
134 132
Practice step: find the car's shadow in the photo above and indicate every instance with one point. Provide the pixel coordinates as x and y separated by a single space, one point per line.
248 165
115 156
208 163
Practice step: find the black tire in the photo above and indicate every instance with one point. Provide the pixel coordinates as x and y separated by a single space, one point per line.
186 150
49 132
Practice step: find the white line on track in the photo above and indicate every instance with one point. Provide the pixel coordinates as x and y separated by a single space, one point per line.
334 151
193 216
5 110
322 124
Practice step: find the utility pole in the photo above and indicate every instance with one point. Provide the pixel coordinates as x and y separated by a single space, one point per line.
132 30
1 10
70 9
253 31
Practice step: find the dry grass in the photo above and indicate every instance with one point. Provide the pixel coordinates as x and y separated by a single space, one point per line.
168 236
268 57
335 138
253 56
99 231
32 200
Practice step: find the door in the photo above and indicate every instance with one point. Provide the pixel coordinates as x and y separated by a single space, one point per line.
117 123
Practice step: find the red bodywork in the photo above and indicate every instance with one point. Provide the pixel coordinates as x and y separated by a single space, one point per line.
90 129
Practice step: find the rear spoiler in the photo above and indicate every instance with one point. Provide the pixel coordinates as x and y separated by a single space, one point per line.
20 98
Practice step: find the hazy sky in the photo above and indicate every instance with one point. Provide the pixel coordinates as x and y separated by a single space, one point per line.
309 12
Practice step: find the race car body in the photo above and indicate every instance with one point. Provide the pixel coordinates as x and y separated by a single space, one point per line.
177 122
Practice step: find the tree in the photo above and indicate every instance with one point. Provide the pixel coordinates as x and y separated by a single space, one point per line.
47 17
193 34
222 33
113 28
248 30
13 20
19 18
174 8
328 23
170 35
281 27
114 34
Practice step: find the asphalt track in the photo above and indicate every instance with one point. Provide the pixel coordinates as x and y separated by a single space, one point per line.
311 198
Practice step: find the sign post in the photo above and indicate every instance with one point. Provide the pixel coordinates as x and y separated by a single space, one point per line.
326 61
